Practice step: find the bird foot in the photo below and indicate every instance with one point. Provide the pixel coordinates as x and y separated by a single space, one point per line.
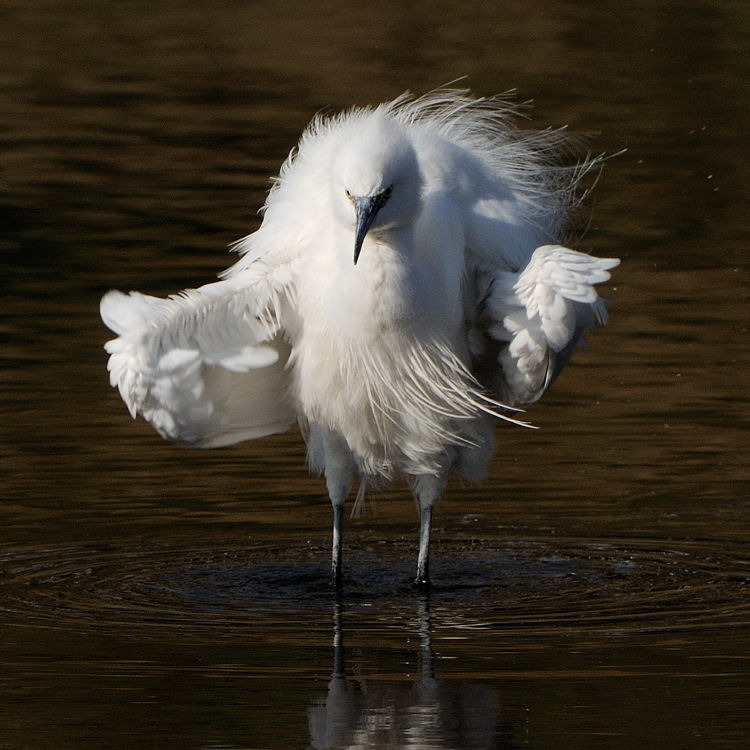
422 584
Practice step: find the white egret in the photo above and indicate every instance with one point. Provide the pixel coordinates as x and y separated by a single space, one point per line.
404 291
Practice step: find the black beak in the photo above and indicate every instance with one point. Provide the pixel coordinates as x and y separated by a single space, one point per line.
366 208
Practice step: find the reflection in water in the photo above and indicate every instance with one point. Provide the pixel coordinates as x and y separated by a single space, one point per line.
427 714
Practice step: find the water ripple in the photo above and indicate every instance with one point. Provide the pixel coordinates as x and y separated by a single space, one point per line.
534 586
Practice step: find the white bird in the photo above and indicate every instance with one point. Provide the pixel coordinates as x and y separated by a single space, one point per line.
404 291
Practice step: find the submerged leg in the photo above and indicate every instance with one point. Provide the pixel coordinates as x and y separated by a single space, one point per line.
427 491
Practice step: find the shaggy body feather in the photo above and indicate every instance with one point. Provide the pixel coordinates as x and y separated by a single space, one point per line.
403 292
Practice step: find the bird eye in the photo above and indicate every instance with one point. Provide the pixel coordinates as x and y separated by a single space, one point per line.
387 192
348 194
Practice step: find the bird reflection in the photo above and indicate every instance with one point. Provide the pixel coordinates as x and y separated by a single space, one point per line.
430 713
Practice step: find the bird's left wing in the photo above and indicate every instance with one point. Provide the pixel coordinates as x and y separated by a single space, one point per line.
538 316
205 368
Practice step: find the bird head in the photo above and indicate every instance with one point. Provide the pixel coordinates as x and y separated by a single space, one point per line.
377 182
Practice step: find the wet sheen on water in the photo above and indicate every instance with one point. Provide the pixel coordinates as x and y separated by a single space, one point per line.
593 593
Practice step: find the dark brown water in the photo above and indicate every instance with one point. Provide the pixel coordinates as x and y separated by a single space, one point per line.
594 594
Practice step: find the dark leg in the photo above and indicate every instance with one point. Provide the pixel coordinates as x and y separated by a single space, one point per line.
338 536
423 561
339 471
427 490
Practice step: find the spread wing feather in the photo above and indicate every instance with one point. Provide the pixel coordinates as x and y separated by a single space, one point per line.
205 368
539 315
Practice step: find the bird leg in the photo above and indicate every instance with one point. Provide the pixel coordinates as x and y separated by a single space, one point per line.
337 542
427 490
339 471
423 561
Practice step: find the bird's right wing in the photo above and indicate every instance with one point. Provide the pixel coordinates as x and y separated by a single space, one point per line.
205 368
538 316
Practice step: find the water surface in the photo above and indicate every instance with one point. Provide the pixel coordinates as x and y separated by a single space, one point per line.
593 593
